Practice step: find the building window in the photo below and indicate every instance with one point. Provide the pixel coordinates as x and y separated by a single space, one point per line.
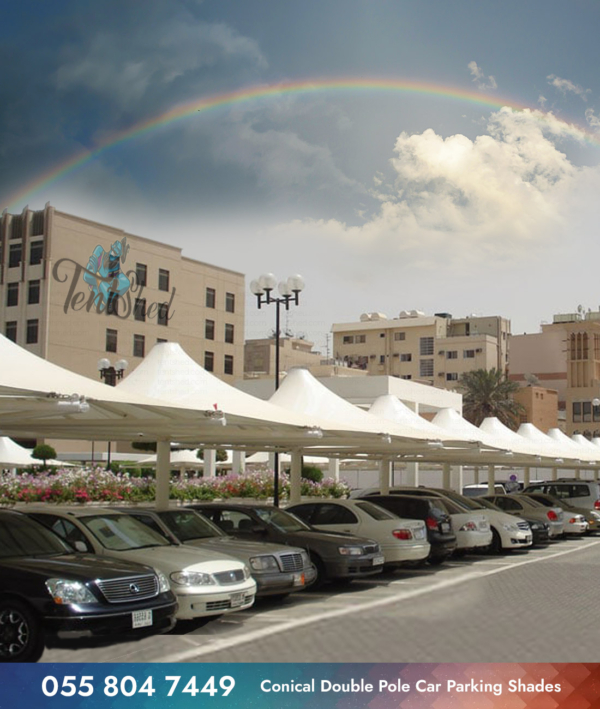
426 368
140 309
348 340
426 346
360 339
16 227
209 329
37 223
451 354
10 330
587 411
399 336
230 302
111 340
32 332
229 333
228 364
163 279
211 297
12 294
209 361
381 359
36 253
406 357
141 274
15 254
468 354
451 377
576 411
163 314
406 376
112 304
139 346
33 293
159 340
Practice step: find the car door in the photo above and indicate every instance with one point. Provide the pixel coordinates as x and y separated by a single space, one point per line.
332 517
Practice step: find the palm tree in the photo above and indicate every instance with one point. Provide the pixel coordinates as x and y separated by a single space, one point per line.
490 393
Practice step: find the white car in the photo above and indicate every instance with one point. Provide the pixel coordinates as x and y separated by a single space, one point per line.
205 582
400 539
471 527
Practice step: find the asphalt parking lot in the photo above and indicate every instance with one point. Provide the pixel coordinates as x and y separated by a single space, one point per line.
530 606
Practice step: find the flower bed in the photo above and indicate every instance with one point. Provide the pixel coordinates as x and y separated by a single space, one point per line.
98 485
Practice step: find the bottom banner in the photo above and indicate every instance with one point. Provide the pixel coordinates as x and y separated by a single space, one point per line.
262 685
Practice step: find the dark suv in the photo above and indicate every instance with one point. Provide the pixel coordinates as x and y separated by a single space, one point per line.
429 509
50 595
335 556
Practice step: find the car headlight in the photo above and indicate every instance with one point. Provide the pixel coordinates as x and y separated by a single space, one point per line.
305 558
510 527
163 582
65 591
193 578
351 551
264 563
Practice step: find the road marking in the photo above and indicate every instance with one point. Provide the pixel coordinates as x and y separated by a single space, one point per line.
328 614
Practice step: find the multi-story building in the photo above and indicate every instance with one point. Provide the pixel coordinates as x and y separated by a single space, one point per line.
432 349
259 355
74 291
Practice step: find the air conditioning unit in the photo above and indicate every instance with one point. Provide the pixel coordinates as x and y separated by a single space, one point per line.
441 352
396 354
440 374
479 350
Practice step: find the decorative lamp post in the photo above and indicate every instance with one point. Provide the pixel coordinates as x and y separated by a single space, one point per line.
289 292
111 375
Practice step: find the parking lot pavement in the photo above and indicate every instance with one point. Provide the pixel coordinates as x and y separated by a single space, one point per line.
516 607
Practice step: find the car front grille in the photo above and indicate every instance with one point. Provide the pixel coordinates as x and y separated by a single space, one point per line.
131 588
228 577
291 562
371 548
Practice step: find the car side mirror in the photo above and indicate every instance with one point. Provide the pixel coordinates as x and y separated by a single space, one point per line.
80 546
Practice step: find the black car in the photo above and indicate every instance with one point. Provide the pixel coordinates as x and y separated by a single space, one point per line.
335 556
51 595
429 509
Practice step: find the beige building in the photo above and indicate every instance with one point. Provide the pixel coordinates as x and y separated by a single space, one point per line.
259 356
540 407
432 349
540 358
74 291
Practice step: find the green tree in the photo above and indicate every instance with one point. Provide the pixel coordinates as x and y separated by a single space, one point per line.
43 452
221 456
490 393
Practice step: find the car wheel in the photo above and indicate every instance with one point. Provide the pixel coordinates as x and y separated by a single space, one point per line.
496 545
21 633
321 572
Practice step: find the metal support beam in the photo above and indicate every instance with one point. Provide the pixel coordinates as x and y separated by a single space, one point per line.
491 480
163 474
295 477
385 466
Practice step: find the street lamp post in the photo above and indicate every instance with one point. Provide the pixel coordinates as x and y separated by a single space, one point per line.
111 375
289 292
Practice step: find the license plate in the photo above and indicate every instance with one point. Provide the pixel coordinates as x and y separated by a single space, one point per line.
141 619
237 599
299 580
445 527
378 560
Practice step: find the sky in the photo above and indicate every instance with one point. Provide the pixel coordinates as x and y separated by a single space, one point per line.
437 155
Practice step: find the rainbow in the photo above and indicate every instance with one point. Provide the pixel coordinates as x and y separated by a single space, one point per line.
263 91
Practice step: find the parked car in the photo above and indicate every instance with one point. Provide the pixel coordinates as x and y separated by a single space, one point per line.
277 569
205 582
401 540
508 532
540 531
335 556
437 521
471 528
49 594
482 489
581 493
577 520
521 505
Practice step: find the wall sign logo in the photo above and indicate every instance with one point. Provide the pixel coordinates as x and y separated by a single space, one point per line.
111 290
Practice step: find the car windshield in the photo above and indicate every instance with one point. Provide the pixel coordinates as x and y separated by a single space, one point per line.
374 511
187 525
490 505
452 507
20 536
122 532
284 521
528 502
462 501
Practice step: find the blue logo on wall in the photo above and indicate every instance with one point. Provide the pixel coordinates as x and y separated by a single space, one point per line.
103 273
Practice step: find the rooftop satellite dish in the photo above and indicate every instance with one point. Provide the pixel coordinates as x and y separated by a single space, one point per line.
532 380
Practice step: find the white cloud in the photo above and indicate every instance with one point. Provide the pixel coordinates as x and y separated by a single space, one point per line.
565 86
542 100
592 119
480 79
461 203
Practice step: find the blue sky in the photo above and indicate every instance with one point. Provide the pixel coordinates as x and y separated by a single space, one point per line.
383 201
